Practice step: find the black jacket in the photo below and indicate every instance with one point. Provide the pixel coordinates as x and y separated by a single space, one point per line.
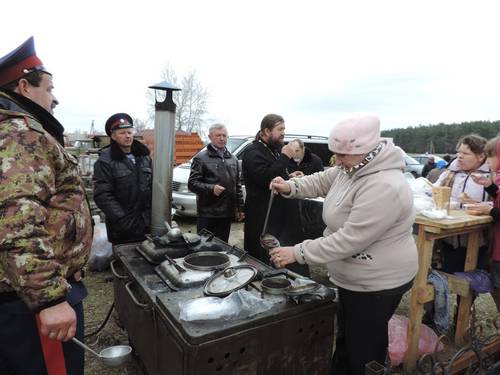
209 169
260 165
311 163
123 191
427 168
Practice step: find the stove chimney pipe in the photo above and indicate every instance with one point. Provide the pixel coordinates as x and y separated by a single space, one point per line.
163 163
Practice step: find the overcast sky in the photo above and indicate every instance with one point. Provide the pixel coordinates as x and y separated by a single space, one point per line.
313 62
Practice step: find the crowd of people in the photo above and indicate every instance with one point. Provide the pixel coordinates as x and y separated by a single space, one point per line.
367 246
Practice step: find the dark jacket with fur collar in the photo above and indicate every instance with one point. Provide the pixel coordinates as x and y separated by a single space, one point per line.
123 191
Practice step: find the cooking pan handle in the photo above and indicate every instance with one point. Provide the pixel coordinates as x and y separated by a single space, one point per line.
141 305
113 271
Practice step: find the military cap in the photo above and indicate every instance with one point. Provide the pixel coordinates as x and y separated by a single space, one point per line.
19 62
118 121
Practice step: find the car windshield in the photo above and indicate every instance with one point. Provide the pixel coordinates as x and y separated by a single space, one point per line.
234 143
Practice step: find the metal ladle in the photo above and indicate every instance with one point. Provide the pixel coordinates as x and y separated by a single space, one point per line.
268 241
112 356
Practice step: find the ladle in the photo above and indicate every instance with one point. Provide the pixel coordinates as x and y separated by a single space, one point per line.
268 241
267 213
112 356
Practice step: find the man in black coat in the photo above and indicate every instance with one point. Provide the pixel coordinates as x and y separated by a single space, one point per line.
214 178
263 160
123 177
429 166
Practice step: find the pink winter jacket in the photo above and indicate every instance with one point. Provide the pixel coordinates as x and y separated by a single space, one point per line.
368 243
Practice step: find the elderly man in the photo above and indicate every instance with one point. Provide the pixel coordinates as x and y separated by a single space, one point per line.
214 178
45 230
123 178
303 162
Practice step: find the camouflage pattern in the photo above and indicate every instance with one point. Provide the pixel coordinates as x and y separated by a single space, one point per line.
45 224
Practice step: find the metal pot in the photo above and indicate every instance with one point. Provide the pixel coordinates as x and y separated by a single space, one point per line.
206 261
275 285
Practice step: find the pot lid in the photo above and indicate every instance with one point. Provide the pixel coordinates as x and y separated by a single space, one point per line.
230 279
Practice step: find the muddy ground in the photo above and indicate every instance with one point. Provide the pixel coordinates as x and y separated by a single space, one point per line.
100 299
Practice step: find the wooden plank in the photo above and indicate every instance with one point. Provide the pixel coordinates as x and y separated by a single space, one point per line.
460 219
464 362
443 233
457 285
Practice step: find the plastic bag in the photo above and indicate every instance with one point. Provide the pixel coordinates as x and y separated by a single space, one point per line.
238 305
101 252
422 194
398 328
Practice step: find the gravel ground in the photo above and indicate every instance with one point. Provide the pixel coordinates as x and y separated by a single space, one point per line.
100 298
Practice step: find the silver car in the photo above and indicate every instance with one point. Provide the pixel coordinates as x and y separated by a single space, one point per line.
184 201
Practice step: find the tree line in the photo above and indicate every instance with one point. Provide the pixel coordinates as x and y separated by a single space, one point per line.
440 138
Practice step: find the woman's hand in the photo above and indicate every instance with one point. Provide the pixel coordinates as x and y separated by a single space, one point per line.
296 174
464 198
281 256
279 185
481 179
479 209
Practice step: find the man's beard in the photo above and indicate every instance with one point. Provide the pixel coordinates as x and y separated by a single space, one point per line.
276 143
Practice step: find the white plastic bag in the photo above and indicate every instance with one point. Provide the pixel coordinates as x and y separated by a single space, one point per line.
398 327
422 195
101 252
238 305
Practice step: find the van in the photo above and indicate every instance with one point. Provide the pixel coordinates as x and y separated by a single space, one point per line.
184 201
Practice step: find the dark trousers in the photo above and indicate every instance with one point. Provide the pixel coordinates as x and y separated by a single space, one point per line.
21 348
219 226
362 333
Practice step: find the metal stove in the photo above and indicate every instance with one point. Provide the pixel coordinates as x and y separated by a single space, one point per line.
290 338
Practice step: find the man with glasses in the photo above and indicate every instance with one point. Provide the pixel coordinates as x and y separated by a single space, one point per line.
123 182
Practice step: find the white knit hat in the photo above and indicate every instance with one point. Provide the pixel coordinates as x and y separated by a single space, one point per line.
355 136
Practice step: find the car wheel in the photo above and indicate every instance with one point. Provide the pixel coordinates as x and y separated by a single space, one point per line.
414 174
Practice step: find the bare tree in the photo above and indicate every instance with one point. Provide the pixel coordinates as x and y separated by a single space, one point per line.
191 101
140 124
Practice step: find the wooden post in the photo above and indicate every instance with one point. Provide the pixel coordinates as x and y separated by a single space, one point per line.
463 318
424 246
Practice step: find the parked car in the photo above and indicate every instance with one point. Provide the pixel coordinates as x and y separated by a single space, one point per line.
423 158
411 165
184 201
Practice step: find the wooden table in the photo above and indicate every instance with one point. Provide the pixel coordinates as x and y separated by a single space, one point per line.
421 292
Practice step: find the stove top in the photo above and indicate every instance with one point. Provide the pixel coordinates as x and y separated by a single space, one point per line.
154 252
176 279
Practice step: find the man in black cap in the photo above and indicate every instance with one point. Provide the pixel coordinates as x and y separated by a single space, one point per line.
123 177
45 230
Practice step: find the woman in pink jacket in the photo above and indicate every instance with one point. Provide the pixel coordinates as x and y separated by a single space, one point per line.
367 245
492 151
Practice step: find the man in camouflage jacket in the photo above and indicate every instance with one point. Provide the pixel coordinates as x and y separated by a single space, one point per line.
45 226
